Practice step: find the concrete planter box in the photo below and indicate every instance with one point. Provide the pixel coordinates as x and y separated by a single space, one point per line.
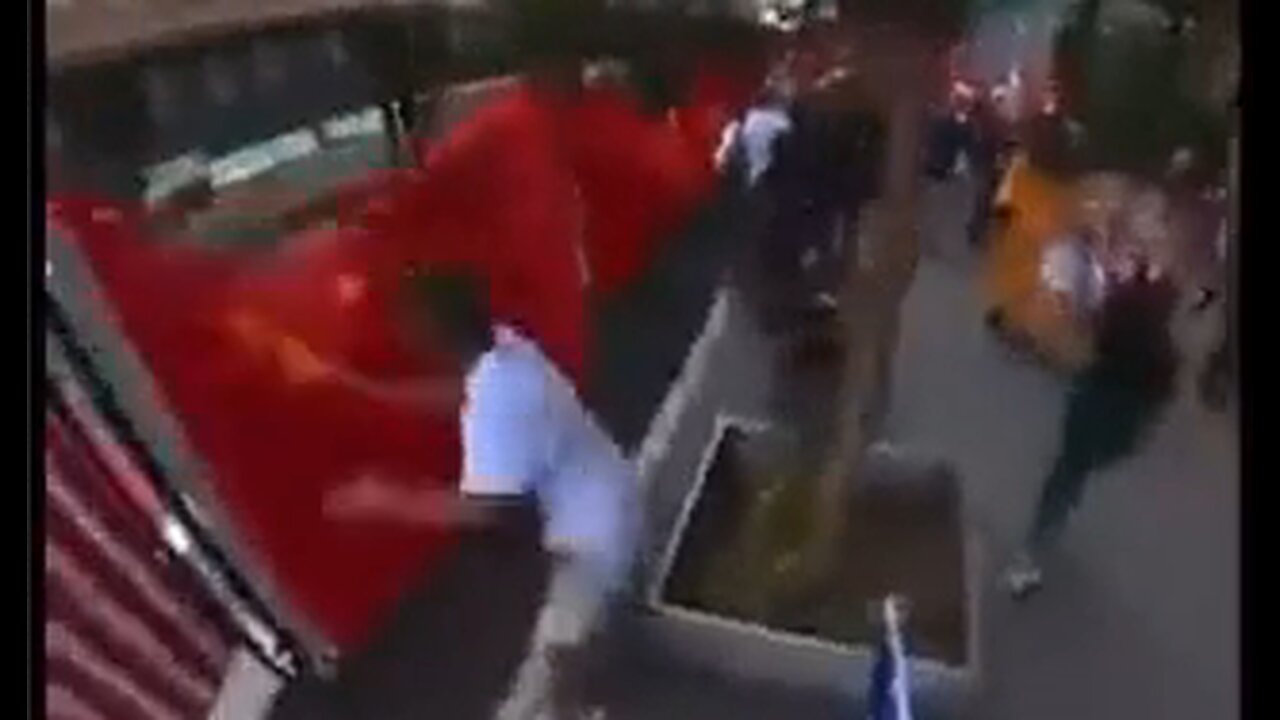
755 652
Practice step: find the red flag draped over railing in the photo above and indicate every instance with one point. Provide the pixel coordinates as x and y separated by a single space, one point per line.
273 448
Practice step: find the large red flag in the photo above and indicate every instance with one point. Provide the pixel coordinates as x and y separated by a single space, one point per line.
273 447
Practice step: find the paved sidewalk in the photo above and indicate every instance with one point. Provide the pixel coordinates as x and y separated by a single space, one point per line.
1139 620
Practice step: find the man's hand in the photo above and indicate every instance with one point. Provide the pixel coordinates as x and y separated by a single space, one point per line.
250 329
365 498
373 498
301 366
440 394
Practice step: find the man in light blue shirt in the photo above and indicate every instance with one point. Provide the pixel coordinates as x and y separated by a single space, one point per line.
756 135
526 436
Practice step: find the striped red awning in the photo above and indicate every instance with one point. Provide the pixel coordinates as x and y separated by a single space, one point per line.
128 635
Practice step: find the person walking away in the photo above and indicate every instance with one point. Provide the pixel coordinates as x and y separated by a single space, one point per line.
817 184
989 159
526 438
1111 405
946 143
746 156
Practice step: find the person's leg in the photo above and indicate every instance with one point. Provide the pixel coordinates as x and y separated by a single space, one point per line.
987 181
782 269
407 109
551 681
391 130
842 236
568 688
1061 492
1105 421
1085 428
812 249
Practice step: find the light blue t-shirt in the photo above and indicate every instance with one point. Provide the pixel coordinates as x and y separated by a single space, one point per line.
1068 267
760 130
525 430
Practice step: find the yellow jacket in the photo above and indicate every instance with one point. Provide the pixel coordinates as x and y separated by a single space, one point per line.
1039 208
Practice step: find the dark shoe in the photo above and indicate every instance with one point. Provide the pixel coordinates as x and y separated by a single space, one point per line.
994 320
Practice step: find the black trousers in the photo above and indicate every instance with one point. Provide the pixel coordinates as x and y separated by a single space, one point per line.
987 177
1108 416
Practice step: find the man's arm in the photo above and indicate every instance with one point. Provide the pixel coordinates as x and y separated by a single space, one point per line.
375 499
500 454
443 393
728 144
302 365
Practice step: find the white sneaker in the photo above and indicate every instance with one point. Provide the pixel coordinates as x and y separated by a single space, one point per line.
1024 577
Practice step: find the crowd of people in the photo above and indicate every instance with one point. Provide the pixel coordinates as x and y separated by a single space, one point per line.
427 371
1092 272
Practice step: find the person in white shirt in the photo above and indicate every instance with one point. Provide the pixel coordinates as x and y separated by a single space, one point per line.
526 436
1070 268
756 135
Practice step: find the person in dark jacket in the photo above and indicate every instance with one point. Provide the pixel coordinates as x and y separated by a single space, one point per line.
1111 406
991 146
817 182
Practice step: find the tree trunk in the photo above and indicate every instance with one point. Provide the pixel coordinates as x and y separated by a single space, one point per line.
876 282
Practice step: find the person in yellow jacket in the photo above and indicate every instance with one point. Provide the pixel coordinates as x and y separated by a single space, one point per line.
1035 209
